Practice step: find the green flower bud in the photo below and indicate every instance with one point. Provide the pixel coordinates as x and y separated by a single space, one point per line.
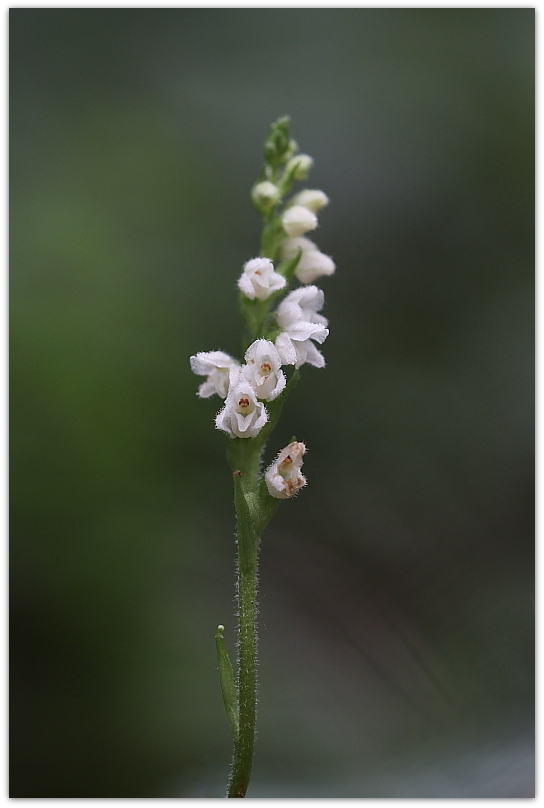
278 142
299 167
265 195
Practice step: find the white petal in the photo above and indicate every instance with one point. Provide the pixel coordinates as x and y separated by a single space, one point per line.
298 220
311 198
310 297
304 330
222 421
241 423
206 389
313 265
204 362
261 265
286 349
263 350
261 419
277 282
288 313
291 246
280 386
313 356
276 485
245 286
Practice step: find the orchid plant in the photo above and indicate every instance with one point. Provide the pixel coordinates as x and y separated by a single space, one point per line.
254 393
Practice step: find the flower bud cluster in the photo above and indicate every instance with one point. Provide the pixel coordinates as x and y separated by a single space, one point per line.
299 216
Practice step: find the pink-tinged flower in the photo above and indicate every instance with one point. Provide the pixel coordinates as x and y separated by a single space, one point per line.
283 478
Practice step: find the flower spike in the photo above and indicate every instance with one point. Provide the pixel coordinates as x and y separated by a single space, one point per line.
254 392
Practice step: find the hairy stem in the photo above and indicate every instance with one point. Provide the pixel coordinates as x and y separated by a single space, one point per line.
247 643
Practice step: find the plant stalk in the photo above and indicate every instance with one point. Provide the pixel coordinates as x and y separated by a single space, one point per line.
244 739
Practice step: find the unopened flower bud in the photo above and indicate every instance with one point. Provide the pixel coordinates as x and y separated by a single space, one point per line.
265 195
299 166
283 478
298 220
291 150
310 198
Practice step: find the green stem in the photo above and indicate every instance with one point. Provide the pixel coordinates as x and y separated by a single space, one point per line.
247 684
248 545
254 508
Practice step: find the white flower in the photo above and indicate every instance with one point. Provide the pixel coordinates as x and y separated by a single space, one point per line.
265 195
301 164
242 416
283 478
300 324
313 263
310 198
216 366
263 369
259 280
298 220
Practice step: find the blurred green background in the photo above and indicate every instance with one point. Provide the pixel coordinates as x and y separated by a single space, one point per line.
397 590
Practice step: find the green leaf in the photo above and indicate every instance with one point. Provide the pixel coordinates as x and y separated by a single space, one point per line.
254 313
267 506
271 238
226 679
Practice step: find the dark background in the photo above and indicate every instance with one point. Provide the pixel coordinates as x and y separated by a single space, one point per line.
397 590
